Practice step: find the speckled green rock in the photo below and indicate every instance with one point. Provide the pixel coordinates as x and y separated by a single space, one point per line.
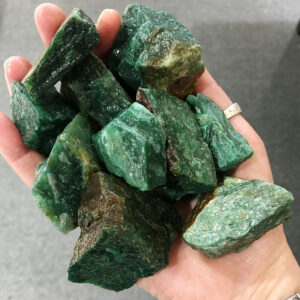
74 40
39 122
229 148
190 161
61 179
95 91
125 234
153 50
133 146
235 214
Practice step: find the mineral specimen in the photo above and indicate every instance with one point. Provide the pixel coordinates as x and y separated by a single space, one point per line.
190 161
229 148
74 40
125 235
95 91
235 214
61 179
39 122
153 50
133 146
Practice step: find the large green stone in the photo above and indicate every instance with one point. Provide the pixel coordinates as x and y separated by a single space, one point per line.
39 122
153 50
190 161
133 146
95 91
125 234
61 179
235 214
229 148
74 40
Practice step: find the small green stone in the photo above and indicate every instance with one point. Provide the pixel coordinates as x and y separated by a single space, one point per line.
39 122
133 146
229 148
171 193
125 234
190 161
61 179
95 91
74 40
235 214
153 50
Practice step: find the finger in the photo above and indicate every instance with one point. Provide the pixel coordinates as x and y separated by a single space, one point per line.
21 159
108 26
15 68
209 87
257 167
48 18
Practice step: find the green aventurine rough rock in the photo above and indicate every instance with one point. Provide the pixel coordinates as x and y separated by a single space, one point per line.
74 40
61 179
229 148
153 50
133 146
235 214
95 91
190 160
125 234
39 122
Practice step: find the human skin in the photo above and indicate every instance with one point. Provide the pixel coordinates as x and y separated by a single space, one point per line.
265 270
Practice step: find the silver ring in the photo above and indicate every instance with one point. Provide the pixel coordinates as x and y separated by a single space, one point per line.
294 297
232 110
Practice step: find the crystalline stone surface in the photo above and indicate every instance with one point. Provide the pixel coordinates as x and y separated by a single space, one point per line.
61 179
235 214
190 161
153 50
95 91
133 146
125 234
39 122
229 148
74 40
159 146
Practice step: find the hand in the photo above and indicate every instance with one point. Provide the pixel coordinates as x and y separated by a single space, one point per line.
48 18
265 270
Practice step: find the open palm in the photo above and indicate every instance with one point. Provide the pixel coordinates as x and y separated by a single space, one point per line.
265 270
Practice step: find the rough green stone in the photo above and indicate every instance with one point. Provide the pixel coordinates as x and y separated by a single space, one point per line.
133 146
61 179
153 50
229 148
39 122
190 161
125 234
95 91
74 40
235 214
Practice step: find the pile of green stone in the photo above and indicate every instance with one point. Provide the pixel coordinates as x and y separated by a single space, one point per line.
116 166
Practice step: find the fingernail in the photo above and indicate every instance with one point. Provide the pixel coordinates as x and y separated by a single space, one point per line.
7 70
5 64
8 63
103 13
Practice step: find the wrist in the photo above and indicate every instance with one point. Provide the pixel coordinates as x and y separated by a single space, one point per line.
280 278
